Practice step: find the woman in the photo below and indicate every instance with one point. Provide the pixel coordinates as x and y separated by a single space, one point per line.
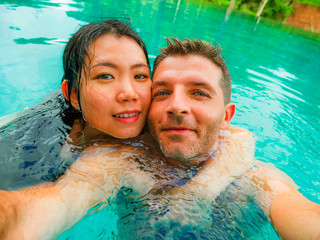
92 79
107 83
89 85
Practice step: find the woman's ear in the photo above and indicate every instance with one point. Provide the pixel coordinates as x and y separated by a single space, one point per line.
64 88
230 109
73 96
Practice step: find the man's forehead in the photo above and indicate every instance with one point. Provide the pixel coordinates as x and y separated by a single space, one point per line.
186 77
189 58
191 68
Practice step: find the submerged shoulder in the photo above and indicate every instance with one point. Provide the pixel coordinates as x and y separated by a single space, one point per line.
238 140
272 179
269 172
239 132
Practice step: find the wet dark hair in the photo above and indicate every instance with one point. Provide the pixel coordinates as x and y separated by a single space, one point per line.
77 49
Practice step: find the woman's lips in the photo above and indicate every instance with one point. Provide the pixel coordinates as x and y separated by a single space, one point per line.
127 117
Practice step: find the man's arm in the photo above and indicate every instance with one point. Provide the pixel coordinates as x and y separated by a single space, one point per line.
293 215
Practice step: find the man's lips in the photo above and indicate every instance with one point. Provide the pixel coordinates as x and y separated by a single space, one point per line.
127 116
177 129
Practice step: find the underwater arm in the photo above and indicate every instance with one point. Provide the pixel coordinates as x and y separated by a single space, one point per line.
234 157
292 214
38 213
45 211
34 213
8 214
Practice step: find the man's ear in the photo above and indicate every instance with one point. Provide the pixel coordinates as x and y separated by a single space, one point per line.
73 96
230 109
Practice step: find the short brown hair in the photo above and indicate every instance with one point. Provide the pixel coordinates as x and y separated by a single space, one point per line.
176 47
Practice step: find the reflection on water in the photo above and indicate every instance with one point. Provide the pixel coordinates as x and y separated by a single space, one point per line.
40 40
30 145
280 72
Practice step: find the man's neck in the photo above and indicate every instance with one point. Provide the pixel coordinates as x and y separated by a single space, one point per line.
197 162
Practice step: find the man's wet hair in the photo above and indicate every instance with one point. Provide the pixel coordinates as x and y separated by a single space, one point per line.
77 49
177 47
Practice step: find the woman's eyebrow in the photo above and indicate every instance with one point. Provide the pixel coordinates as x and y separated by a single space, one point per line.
105 64
138 65
112 65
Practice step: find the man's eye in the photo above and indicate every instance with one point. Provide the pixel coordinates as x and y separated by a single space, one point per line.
201 94
105 76
160 93
141 76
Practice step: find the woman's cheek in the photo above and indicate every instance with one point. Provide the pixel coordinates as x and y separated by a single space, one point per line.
147 95
95 104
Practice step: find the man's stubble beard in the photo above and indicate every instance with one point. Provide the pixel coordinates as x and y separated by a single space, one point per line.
183 153
191 150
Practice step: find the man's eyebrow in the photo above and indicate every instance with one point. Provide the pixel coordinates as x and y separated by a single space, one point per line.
190 83
159 83
203 84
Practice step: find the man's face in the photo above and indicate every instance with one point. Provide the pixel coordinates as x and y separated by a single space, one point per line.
187 111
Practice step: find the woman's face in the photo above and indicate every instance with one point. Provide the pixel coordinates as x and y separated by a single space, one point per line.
116 92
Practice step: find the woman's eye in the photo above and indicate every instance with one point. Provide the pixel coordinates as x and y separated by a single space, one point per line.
141 76
105 76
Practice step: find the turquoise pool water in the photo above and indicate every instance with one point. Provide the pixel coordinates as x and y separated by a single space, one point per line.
274 70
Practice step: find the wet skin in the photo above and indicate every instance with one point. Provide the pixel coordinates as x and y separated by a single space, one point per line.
115 96
188 110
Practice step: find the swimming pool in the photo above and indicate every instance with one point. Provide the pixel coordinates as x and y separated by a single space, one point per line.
274 70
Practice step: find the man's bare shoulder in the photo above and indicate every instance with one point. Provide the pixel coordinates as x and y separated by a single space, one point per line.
238 135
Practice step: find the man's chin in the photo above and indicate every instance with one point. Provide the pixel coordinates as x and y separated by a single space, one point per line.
181 154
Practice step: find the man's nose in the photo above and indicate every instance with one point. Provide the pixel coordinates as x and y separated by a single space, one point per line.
127 91
178 105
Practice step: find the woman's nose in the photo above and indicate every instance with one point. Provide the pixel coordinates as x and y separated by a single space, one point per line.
127 92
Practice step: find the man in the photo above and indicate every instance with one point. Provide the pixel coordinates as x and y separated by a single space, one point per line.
191 104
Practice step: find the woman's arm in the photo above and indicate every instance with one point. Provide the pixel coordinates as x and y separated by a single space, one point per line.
8 214
234 158
46 211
